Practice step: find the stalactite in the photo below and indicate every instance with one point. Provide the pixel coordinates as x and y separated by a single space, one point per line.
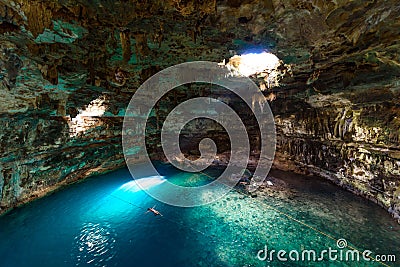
126 45
39 17
158 35
91 71
141 47
49 73
61 109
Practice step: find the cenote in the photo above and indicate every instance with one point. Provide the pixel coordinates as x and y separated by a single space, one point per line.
102 221
291 105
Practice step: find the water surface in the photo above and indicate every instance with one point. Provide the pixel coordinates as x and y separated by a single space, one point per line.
102 221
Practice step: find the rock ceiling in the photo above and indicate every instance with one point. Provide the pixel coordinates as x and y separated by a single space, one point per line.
58 47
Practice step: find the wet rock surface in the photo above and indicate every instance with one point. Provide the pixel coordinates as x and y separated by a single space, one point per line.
352 144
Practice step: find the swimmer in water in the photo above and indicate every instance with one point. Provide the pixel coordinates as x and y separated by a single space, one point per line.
154 211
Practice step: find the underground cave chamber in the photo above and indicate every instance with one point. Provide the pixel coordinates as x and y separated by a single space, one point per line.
301 99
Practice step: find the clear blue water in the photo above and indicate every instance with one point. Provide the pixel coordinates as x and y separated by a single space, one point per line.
102 222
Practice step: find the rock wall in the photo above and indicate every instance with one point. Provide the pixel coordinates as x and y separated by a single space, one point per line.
38 154
354 144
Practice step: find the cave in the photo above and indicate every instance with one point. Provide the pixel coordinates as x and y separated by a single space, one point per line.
199 133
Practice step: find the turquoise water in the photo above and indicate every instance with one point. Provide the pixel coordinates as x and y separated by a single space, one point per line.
102 222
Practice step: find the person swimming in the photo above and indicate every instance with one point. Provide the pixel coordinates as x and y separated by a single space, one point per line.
154 211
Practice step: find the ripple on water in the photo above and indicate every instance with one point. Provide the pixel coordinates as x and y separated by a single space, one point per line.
95 244
108 231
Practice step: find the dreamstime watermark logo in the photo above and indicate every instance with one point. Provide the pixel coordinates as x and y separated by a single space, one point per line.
151 91
340 253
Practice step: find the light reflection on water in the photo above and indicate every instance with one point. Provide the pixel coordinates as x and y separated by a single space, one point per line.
142 183
102 222
95 244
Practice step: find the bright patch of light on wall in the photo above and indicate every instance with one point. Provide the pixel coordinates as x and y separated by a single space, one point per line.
265 66
87 117
253 63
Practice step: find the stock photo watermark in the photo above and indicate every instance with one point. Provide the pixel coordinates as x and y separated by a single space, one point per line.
145 99
341 253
